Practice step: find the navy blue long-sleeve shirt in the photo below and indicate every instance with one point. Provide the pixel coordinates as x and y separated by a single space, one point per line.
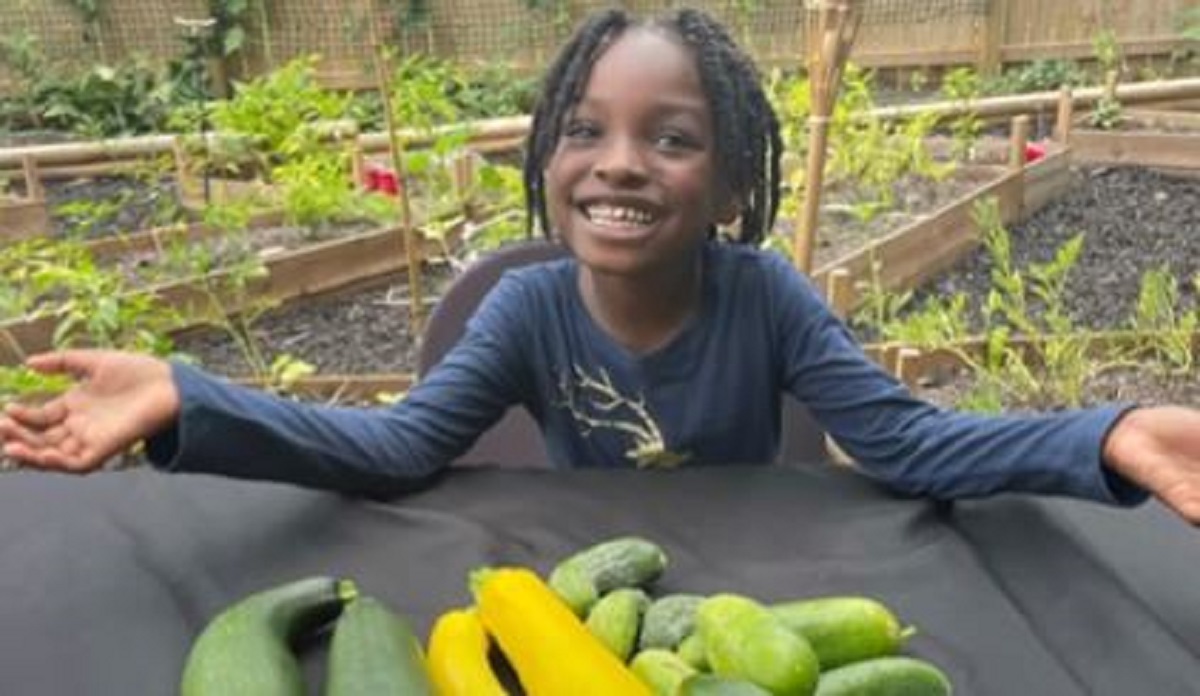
712 395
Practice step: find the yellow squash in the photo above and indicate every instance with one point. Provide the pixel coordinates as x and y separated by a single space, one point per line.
550 649
458 656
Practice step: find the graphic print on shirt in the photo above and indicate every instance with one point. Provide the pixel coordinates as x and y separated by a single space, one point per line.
596 404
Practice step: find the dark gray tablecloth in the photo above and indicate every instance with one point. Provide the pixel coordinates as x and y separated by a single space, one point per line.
105 581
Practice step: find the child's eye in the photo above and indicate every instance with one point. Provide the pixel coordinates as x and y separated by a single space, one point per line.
675 140
581 130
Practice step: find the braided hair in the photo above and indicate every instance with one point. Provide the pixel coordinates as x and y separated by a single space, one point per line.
747 140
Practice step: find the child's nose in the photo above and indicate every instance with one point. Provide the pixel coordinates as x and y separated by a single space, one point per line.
620 161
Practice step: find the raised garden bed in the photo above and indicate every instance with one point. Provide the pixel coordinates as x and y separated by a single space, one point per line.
23 213
1134 221
1157 138
913 253
310 270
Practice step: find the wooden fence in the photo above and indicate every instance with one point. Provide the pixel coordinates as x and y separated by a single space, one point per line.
896 33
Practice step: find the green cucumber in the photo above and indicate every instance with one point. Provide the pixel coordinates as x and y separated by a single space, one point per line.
691 650
616 618
885 676
575 587
604 567
668 620
844 629
744 640
662 670
712 685
374 651
246 649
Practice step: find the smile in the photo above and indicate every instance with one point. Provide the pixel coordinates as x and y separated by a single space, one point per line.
618 216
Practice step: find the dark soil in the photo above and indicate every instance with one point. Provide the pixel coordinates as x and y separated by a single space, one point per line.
1133 221
111 205
360 332
915 197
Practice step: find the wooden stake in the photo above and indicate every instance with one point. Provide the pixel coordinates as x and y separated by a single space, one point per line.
1018 142
832 26
908 366
1066 113
383 73
33 182
839 291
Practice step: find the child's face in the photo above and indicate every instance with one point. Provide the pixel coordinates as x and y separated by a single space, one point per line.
632 186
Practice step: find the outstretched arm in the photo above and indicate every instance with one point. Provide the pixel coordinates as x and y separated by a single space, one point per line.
1158 448
118 400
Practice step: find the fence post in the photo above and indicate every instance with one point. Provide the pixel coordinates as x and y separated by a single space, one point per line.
991 37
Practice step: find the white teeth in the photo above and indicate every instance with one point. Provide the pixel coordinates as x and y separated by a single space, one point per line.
618 215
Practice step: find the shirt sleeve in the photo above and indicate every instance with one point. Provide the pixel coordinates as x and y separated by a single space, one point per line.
236 431
922 449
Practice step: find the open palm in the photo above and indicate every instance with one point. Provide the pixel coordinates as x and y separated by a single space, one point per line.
118 399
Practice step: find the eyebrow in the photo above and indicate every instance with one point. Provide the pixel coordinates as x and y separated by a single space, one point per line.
665 105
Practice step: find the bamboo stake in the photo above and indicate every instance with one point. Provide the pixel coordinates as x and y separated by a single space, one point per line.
383 72
832 27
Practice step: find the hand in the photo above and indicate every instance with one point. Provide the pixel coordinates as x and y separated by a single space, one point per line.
1159 449
118 400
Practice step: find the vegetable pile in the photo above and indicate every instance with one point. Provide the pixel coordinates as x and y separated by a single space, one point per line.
591 627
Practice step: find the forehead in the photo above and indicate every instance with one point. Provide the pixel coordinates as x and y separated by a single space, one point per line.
646 64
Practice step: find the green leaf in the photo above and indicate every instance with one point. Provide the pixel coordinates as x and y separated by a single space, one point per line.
234 39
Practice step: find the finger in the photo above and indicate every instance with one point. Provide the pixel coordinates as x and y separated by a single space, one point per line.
35 439
12 431
78 363
49 459
37 417
25 455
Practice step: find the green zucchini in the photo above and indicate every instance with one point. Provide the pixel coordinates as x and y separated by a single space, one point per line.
712 685
374 651
246 649
668 620
662 670
744 640
616 619
842 630
604 567
885 676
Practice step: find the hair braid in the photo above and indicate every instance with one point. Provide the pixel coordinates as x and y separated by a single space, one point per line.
561 89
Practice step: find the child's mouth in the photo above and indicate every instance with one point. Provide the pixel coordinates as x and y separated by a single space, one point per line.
619 217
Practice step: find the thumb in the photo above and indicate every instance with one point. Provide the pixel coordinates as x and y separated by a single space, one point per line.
76 363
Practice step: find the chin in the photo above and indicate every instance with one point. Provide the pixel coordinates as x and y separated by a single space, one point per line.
608 260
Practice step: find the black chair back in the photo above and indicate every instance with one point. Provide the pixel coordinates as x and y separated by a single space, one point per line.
515 440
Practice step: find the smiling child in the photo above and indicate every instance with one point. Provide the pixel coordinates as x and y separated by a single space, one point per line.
654 344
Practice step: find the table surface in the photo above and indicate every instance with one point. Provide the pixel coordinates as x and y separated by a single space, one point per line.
106 580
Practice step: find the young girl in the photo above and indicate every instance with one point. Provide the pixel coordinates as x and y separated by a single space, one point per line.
653 344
